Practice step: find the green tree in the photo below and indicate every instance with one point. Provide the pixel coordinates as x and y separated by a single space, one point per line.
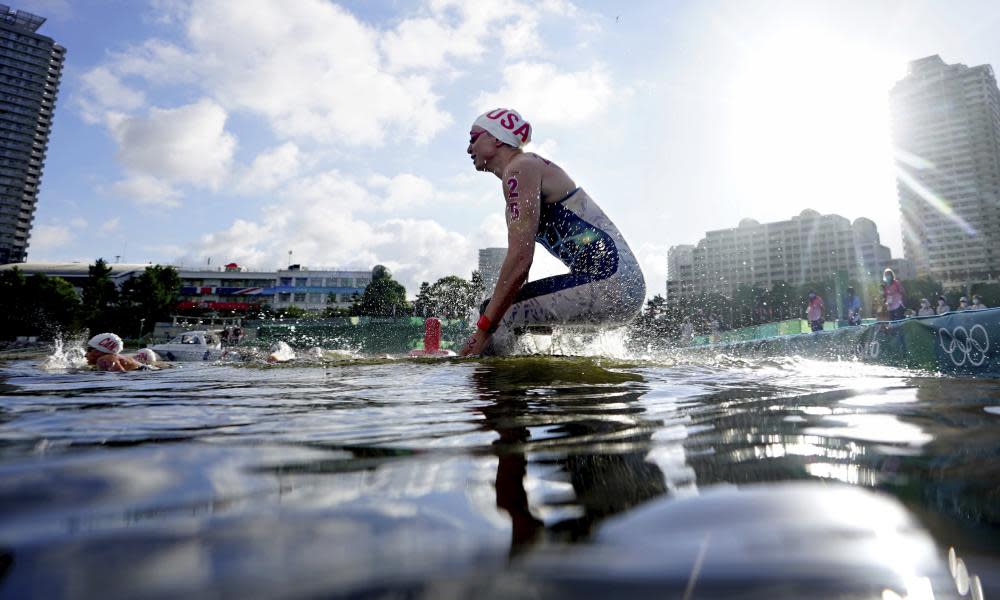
100 297
13 316
384 296
148 298
915 289
54 305
38 305
780 303
450 297
990 293
422 305
478 285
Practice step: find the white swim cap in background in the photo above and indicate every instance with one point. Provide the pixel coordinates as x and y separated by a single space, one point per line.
108 343
146 356
506 125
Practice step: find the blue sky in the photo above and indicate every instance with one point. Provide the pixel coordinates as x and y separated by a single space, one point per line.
189 132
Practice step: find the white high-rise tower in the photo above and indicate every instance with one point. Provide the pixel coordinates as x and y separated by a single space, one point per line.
946 130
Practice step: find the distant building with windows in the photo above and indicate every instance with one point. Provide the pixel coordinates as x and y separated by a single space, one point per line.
235 288
946 129
232 287
490 261
806 248
680 270
77 273
30 69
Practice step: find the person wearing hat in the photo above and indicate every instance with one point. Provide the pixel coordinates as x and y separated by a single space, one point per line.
104 352
963 303
604 287
942 306
925 308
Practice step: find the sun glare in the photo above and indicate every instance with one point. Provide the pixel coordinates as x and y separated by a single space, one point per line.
810 126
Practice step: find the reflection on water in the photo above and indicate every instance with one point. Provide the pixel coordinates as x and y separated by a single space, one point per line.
498 477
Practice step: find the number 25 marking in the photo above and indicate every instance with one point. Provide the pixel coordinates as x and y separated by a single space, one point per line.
512 186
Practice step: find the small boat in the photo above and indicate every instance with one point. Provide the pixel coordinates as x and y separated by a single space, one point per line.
192 346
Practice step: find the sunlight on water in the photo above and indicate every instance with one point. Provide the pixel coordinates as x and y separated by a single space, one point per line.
454 467
887 429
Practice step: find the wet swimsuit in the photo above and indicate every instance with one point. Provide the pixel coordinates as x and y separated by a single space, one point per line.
604 285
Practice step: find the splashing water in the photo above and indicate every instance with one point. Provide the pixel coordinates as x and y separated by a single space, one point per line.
63 358
281 352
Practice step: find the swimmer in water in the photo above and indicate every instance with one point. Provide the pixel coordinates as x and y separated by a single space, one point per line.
604 286
104 352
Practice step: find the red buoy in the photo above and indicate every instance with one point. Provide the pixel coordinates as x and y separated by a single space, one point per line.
432 334
432 340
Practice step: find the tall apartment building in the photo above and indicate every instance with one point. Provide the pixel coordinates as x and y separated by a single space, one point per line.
490 261
680 270
946 129
806 248
30 68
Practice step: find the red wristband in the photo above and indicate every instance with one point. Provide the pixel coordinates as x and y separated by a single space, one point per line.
483 323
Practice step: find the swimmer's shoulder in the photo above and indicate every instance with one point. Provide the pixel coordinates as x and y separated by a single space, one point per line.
117 362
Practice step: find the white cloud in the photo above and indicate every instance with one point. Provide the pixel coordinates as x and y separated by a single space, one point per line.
332 190
111 225
652 259
422 250
169 11
311 69
187 144
543 93
422 43
316 220
402 192
157 62
270 169
145 189
49 238
468 31
104 92
492 231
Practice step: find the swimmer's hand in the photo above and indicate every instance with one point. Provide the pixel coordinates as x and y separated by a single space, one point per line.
476 343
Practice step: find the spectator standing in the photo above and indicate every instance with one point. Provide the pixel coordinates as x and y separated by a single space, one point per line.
977 303
942 306
852 304
925 308
963 303
713 329
893 294
814 312
687 331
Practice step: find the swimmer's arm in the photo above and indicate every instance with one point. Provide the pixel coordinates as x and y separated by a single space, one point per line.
523 197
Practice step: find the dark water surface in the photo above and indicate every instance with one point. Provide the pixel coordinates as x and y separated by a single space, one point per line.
520 477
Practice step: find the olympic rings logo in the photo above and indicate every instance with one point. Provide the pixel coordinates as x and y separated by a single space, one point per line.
963 345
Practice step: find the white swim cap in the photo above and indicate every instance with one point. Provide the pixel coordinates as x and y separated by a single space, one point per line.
108 343
506 125
146 356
